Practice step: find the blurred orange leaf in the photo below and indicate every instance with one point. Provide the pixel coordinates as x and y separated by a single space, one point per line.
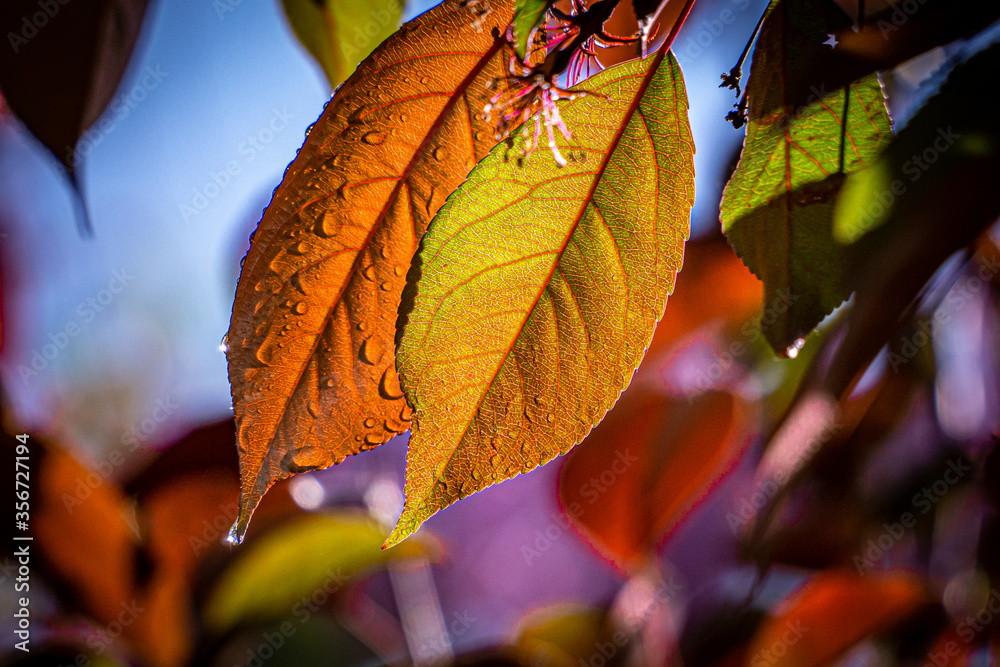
79 526
714 285
312 335
646 465
830 614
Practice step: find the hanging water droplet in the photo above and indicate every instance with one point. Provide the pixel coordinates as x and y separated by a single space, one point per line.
430 200
233 537
357 116
794 348
388 386
268 349
300 308
371 351
326 225
373 138
296 281
302 459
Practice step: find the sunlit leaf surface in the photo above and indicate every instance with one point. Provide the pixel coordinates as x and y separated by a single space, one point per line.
538 288
777 209
311 340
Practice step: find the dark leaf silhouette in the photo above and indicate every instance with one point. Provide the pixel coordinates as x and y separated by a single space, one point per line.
62 64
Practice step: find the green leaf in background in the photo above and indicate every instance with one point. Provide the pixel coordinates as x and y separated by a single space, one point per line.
341 33
320 551
931 194
528 15
537 288
777 208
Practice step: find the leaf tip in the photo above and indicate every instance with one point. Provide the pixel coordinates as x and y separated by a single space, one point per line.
398 534
238 531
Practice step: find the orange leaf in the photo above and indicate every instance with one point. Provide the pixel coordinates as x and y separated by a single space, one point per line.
312 335
646 465
832 612
714 285
79 527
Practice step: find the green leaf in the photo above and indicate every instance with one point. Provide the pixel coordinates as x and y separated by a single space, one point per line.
538 289
341 33
777 208
318 552
528 15
931 194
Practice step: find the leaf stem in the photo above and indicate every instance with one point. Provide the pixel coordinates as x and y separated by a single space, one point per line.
676 28
732 78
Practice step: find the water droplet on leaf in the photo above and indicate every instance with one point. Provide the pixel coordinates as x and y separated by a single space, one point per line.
371 351
388 386
326 225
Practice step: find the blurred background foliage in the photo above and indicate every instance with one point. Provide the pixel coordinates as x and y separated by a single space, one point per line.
682 531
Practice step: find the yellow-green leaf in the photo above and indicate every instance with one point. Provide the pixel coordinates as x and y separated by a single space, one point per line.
320 552
528 15
777 210
341 33
537 289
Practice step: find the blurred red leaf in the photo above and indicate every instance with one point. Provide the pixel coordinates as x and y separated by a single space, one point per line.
646 465
714 285
79 527
830 614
